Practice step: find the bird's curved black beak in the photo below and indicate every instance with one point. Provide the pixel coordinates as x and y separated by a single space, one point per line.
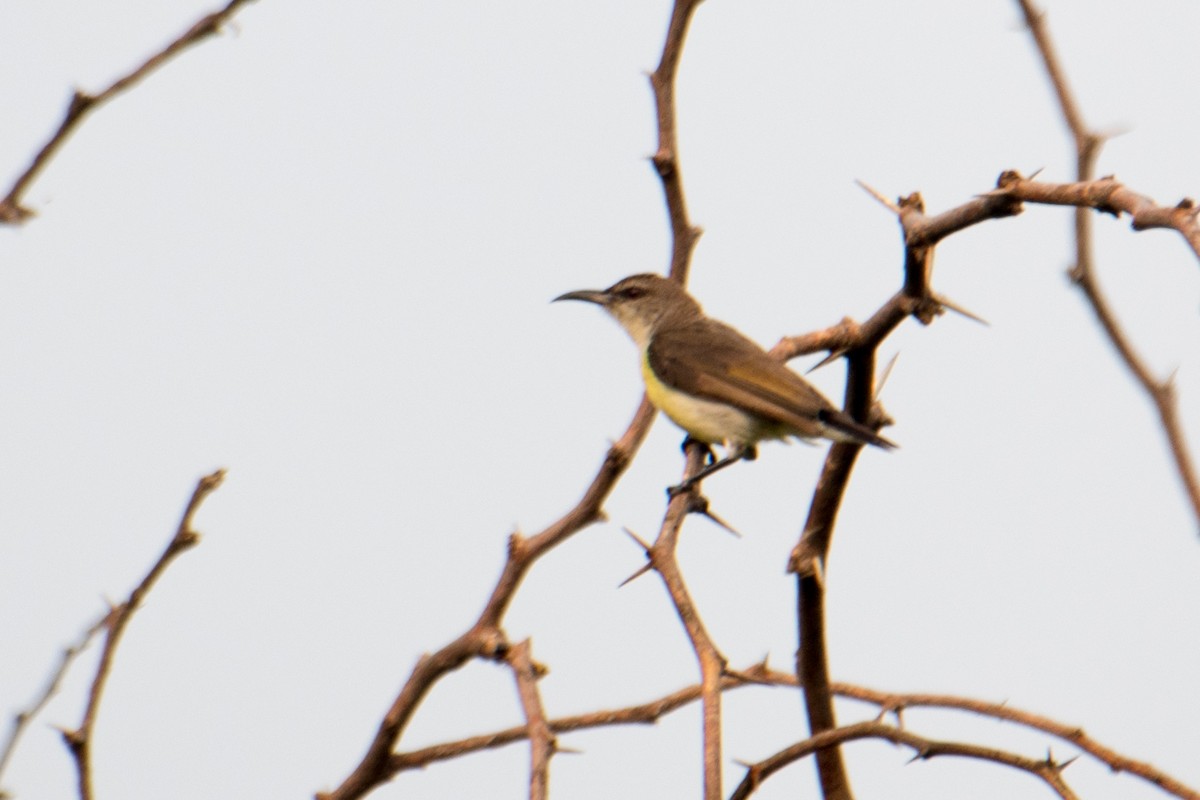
596 296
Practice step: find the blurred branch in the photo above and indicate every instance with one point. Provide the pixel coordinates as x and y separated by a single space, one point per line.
22 719
12 212
1145 215
79 740
1048 770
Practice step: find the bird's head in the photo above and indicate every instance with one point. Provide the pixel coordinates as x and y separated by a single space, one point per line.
641 303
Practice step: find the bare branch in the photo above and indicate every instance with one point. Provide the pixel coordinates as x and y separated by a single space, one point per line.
79 740
12 212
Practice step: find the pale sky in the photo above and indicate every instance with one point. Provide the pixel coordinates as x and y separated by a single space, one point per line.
319 251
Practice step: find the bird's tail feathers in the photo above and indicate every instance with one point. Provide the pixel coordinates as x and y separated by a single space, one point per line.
844 428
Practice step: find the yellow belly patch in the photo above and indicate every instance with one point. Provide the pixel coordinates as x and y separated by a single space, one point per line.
706 420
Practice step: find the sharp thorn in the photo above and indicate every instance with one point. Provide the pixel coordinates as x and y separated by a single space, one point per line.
885 202
637 539
640 572
955 307
834 355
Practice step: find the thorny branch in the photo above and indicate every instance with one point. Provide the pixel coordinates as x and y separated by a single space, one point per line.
12 212
858 344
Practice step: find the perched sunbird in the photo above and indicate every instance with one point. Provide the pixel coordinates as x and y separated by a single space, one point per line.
712 381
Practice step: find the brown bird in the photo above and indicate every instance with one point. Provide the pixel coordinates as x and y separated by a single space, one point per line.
715 383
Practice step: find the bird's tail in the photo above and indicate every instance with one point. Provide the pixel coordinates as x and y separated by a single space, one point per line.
841 427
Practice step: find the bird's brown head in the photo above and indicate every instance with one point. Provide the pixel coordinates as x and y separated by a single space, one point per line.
641 303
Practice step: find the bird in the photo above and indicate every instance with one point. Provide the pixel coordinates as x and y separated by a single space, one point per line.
716 384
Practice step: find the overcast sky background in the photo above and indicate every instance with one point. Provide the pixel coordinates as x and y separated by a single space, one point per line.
319 251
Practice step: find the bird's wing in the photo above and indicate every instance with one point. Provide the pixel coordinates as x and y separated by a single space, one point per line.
723 365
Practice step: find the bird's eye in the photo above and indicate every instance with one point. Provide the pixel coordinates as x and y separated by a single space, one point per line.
632 293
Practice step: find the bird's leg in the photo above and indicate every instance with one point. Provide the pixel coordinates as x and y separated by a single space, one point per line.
745 452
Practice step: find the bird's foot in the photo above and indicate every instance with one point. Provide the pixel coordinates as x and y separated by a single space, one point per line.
709 456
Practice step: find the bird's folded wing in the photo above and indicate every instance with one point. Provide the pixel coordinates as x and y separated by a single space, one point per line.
729 368
736 371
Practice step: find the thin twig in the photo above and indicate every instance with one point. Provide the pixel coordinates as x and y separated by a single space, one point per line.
12 212
79 740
